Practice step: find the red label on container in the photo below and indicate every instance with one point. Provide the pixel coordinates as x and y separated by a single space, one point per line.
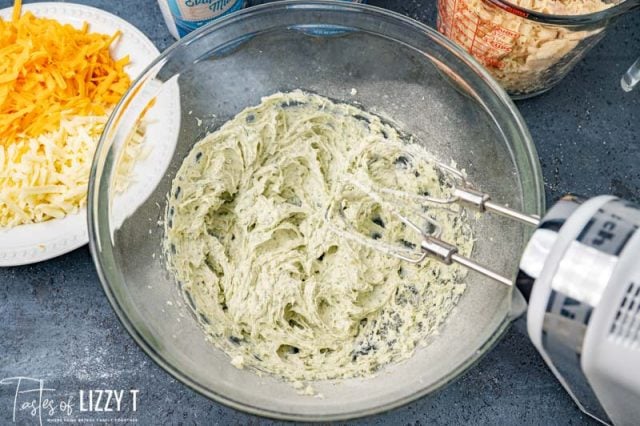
486 41
510 9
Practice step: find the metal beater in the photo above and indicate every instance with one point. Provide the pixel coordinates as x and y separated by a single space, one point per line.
579 273
431 245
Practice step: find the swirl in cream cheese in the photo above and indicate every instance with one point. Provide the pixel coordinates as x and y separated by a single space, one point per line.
273 284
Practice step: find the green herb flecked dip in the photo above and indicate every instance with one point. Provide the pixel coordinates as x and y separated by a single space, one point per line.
275 287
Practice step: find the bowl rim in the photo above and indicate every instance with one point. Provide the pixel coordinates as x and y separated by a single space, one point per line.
98 232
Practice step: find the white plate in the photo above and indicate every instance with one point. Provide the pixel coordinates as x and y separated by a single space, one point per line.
26 244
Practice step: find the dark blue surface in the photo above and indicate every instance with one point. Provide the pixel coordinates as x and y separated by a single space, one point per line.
58 326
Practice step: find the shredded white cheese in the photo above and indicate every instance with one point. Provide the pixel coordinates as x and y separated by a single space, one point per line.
46 177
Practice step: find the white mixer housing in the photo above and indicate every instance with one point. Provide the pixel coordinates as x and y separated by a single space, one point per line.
581 274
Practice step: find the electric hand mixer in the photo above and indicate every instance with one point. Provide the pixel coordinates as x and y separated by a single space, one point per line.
580 273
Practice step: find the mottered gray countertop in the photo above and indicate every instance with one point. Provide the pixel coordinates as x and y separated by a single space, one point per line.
56 324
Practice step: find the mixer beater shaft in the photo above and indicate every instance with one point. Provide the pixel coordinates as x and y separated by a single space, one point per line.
482 203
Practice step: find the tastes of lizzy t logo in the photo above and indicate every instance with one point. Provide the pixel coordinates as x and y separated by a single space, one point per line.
32 400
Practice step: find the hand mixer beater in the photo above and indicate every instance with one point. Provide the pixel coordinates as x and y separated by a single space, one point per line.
580 273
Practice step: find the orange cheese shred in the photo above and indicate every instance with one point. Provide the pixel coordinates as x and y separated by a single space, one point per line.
17 9
50 71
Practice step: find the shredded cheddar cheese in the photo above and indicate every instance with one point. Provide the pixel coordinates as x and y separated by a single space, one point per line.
57 86
50 70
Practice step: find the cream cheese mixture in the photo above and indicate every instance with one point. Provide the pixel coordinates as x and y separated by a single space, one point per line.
249 237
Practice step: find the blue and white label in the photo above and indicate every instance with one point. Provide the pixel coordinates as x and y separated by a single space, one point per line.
192 14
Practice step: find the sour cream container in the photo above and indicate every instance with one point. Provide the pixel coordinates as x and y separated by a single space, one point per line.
184 16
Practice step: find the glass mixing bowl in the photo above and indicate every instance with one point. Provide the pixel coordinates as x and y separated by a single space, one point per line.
400 69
